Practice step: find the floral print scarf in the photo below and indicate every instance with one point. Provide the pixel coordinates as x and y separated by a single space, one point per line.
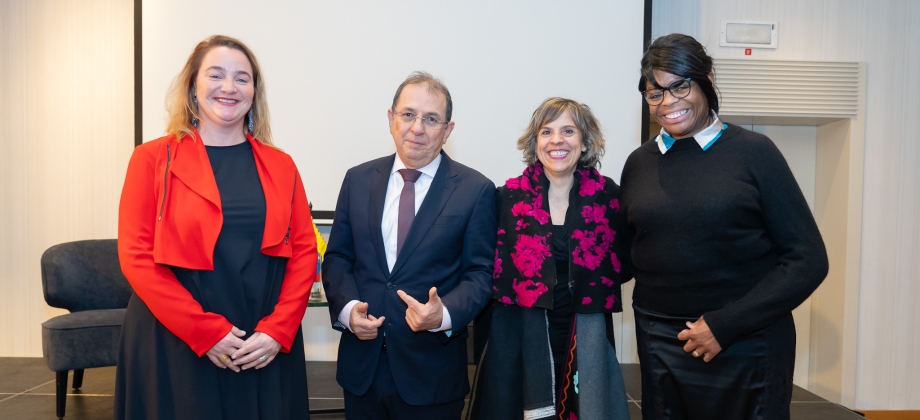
524 277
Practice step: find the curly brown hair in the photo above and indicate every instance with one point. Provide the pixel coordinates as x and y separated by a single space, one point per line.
588 127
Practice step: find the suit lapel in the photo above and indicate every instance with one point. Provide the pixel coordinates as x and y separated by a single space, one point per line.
192 166
378 191
442 186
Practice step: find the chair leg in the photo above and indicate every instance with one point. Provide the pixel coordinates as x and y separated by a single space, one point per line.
77 378
61 393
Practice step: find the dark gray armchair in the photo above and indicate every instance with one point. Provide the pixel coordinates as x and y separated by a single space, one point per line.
85 278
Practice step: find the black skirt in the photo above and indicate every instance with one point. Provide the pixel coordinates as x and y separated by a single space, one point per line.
160 377
750 379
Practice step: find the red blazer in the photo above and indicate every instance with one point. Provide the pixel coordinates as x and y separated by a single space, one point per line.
170 215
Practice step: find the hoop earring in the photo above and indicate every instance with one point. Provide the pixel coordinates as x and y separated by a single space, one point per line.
195 120
251 131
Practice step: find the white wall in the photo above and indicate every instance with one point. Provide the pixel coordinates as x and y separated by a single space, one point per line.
331 69
884 35
66 130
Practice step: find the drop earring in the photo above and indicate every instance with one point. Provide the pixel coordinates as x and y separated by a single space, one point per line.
195 120
251 131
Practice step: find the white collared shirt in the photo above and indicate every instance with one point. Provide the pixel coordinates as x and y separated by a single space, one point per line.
704 138
389 224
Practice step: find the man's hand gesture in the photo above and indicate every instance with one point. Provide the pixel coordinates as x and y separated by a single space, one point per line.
363 324
423 317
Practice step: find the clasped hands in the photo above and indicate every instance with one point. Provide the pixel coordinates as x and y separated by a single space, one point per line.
243 354
700 340
419 316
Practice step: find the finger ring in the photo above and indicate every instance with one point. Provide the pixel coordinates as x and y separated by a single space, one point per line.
224 358
262 359
696 353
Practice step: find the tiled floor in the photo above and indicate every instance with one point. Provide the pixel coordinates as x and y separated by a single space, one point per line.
27 392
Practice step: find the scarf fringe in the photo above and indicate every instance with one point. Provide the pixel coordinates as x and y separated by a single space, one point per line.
547 412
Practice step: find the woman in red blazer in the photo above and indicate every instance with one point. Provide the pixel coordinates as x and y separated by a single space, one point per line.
215 236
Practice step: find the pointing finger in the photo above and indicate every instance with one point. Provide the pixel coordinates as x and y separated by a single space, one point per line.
408 299
379 321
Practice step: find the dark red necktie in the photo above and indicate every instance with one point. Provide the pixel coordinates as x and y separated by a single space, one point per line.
406 206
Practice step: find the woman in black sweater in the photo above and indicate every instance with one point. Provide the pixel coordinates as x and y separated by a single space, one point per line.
724 247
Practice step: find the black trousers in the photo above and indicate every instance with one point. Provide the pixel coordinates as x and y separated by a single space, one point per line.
382 401
749 379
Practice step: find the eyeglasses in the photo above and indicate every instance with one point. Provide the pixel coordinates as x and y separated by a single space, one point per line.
427 121
679 90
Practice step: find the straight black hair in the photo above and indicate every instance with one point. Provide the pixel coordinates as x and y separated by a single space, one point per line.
683 56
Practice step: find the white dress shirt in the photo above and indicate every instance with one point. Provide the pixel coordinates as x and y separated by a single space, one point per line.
390 222
704 138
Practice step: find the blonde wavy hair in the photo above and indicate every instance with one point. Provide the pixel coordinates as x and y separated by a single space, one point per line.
180 100
588 127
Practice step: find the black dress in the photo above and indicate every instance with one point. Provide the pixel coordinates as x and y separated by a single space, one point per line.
160 377
560 318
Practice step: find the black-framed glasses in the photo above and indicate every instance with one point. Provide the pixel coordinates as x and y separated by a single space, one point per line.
679 89
428 121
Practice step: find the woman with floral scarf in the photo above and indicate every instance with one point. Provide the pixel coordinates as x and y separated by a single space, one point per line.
557 279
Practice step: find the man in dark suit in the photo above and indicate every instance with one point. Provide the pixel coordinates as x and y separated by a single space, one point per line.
408 266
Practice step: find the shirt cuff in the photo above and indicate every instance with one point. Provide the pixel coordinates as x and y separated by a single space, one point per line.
345 315
445 322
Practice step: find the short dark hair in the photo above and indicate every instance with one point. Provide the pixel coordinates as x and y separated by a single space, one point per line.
434 86
683 56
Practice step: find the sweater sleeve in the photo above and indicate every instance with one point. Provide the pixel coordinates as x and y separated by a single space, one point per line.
625 235
155 284
802 259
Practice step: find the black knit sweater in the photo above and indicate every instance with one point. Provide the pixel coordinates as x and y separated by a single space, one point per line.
724 233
